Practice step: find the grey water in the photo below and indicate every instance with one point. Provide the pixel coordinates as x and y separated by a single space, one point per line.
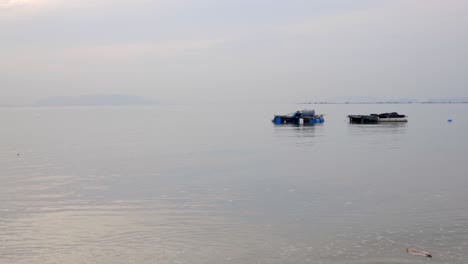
223 184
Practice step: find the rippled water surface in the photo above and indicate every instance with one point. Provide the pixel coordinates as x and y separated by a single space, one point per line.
222 184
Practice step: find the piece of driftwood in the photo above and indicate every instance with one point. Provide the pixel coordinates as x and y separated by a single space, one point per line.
418 252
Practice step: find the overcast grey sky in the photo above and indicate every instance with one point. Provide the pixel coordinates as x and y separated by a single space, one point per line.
233 50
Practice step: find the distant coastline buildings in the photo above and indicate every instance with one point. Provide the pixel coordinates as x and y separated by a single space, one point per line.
461 100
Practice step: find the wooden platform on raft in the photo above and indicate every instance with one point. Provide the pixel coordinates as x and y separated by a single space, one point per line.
363 119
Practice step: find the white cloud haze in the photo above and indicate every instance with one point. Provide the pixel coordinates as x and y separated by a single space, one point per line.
233 50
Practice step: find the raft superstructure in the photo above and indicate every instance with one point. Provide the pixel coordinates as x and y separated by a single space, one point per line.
305 117
377 118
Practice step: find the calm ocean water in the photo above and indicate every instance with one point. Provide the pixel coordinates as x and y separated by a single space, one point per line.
222 184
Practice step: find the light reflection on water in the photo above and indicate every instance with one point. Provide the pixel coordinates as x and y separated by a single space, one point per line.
378 129
145 188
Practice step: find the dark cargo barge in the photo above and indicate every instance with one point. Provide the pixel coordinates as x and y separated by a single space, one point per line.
377 118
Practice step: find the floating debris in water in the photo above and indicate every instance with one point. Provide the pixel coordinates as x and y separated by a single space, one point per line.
419 252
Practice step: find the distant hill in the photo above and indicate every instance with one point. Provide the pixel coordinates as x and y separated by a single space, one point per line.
95 100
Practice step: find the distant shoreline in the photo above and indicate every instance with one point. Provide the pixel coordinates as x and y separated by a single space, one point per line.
383 103
65 106
303 103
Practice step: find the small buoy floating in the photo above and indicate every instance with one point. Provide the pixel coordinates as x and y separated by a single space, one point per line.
419 252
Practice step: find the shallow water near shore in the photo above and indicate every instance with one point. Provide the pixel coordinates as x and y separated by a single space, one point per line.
223 184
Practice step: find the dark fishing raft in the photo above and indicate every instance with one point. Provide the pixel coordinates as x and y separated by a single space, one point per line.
306 117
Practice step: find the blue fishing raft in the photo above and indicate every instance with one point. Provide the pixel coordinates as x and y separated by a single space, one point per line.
306 117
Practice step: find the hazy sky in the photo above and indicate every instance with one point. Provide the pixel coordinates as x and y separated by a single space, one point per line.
233 50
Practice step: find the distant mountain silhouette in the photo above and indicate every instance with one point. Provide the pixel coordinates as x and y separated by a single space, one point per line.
95 100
